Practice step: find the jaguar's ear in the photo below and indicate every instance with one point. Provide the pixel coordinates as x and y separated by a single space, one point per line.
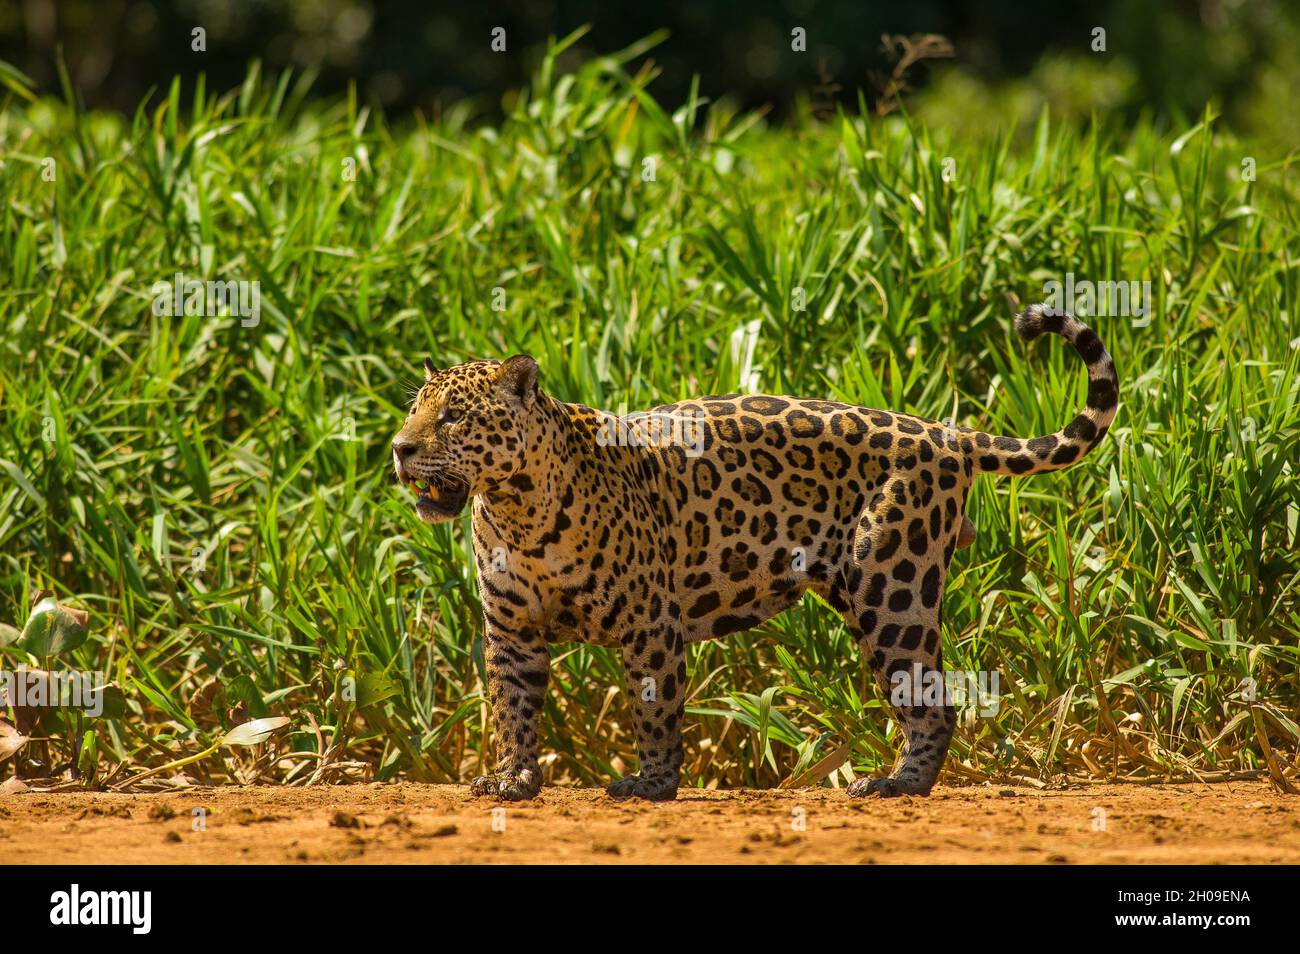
517 378
429 369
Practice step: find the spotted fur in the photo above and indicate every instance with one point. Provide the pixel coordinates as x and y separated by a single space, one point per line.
650 546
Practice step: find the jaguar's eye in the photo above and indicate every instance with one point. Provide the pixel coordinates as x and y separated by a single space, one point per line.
450 415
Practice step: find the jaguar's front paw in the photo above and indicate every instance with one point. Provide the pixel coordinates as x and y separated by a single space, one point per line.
889 787
661 789
508 786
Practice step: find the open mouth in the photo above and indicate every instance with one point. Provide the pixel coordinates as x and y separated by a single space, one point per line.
439 499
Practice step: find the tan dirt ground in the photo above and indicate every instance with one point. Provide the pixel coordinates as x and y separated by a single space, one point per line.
1244 822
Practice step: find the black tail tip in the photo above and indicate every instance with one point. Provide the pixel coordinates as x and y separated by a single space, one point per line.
1036 319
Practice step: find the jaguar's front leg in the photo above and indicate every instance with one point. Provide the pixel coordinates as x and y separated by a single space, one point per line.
517 669
655 661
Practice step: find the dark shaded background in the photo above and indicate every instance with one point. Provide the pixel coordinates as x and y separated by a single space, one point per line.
421 55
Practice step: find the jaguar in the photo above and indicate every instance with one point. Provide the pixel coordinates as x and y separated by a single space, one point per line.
700 519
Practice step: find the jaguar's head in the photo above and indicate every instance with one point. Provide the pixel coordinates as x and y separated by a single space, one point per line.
467 433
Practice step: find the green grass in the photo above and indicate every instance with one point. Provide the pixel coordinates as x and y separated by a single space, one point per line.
1125 603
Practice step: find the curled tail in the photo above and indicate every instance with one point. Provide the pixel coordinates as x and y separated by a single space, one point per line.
1039 455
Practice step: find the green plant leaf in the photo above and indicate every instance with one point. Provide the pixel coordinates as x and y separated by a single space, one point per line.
374 687
53 629
254 732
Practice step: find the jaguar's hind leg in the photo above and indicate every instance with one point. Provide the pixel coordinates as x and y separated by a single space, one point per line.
890 592
903 651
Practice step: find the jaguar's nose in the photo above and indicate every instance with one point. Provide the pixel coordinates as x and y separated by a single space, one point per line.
404 448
